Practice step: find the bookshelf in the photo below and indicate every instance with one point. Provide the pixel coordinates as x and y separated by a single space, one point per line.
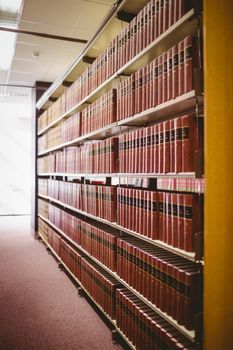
105 198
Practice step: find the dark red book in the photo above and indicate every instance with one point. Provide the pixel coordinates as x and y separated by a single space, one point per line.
172 145
166 147
175 77
180 209
161 17
160 147
160 79
190 62
171 13
155 83
165 77
192 220
153 33
175 219
154 225
178 145
166 15
181 67
190 142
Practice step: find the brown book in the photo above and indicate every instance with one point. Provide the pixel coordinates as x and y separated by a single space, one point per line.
181 68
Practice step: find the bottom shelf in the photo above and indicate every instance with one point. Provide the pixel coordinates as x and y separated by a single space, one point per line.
113 322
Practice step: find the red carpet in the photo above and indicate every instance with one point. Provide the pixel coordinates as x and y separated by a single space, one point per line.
39 306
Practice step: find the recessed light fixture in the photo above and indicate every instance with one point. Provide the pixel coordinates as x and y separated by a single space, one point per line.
35 53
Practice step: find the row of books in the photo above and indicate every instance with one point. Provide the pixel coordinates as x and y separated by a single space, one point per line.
173 218
96 200
97 241
155 18
98 283
166 147
51 139
171 283
100 113
166 77
92 158
145 329
181 185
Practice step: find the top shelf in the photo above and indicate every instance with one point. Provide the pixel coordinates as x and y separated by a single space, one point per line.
187 25
107 30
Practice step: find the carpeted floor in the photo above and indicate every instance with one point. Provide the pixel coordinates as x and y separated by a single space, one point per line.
39 306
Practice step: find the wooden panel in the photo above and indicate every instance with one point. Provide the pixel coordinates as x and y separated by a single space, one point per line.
218 283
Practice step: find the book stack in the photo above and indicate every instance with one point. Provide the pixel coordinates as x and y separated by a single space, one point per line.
171 283
144 328
100 113
71 258
100 285
166 147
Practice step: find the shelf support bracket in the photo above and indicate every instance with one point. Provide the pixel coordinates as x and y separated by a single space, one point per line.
125 16
88 59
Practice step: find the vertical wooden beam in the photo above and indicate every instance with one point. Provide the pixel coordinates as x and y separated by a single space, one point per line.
218 80
39 89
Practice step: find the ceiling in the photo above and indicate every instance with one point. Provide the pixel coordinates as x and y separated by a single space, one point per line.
43 59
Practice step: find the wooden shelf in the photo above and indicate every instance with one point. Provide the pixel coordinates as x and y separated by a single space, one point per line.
123 175
189 334
188 24
156 243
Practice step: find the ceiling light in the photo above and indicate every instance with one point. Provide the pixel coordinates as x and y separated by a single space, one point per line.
9 10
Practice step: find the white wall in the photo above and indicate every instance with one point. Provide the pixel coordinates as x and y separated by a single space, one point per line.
15 156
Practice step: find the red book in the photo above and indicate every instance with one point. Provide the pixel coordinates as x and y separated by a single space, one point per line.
169 219
175 71
160 79
171 13
153 33
148 26
176 10
157 140
190 62
172 145
180 214
161 206
132 95
166 15
190 142
161 17
178 145
166 147
181 67
155 83
175 220
152 150
143 89
165 77
192 220
160 147
154 228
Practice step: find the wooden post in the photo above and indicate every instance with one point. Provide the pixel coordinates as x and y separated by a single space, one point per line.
218 81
